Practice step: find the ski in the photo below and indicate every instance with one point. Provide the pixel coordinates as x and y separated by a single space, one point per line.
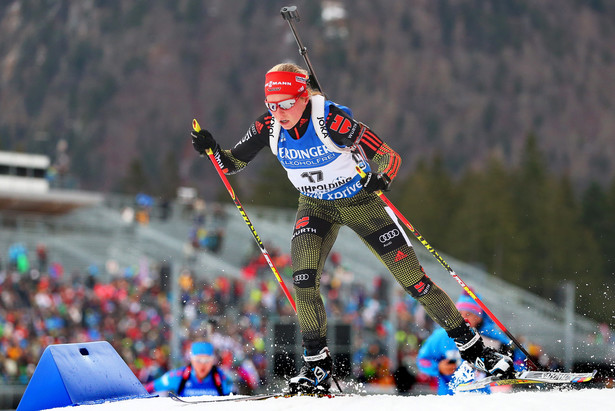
231 398
237 398
529 377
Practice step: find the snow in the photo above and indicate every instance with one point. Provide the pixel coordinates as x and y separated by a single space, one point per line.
586 399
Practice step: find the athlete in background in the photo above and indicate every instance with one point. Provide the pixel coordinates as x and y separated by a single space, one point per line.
200 377
439 356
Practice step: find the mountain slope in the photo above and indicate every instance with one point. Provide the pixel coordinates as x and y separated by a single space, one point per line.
121 80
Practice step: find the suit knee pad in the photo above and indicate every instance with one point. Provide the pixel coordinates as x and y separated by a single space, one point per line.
304 278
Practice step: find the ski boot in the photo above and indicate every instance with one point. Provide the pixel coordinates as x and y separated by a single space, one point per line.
473 350
315 375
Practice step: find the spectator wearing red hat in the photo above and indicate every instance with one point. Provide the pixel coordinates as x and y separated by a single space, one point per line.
439 356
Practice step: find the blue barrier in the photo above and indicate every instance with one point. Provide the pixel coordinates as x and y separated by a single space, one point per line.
72 374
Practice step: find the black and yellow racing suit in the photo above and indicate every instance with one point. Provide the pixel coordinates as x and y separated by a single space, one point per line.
318 222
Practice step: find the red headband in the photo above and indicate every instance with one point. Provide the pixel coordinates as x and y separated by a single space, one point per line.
285 82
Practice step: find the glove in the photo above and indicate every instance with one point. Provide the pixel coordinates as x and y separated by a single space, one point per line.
507 350
203 140
375 181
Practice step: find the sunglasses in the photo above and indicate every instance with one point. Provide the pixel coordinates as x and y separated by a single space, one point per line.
202 359
284 104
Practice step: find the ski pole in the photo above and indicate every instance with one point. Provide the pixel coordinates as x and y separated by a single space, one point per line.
452 272
290 14
210 154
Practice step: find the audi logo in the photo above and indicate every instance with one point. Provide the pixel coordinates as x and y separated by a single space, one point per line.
389 236
301 277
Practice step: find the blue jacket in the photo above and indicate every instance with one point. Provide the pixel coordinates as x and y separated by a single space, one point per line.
171 381
440 346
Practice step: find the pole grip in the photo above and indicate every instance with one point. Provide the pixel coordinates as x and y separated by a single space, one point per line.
290 13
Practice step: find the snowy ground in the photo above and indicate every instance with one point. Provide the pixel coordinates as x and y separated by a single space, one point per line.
587 399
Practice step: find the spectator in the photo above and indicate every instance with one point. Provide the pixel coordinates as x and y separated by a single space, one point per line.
134 313
200 377
41 254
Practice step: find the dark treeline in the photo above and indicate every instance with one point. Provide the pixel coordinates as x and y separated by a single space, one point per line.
523 224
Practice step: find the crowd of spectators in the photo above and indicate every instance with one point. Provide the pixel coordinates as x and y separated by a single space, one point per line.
208 226
40 308
132 311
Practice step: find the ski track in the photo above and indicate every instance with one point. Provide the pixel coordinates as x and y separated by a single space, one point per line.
586 399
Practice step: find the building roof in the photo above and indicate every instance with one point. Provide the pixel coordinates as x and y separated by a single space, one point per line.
51 202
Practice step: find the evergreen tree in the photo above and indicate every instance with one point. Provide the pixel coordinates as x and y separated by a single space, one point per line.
428 200
572 254
136 179
608 233
483 228
594 204
273 187
530 194
598 217
169 177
